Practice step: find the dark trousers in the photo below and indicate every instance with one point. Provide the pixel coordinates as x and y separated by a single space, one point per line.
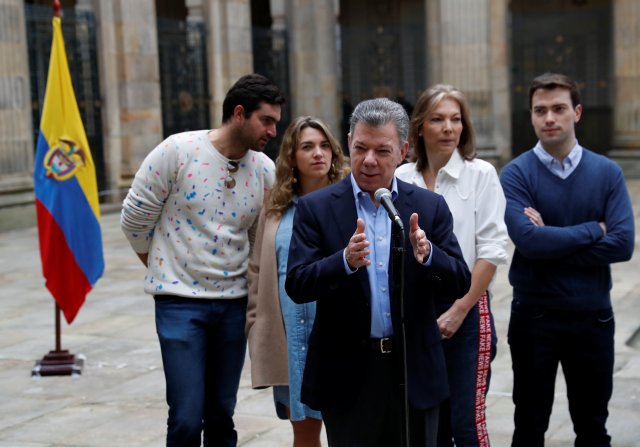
468 354
582 342
375 418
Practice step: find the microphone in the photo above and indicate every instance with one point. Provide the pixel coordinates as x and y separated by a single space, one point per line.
383 196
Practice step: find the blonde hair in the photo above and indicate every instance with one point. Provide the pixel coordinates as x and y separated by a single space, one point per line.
287 182
425 104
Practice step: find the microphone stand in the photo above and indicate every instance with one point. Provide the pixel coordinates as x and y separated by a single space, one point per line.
398 259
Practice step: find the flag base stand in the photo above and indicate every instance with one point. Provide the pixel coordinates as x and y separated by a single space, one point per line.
58 363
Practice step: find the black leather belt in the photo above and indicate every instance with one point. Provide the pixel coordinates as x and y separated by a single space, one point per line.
381 345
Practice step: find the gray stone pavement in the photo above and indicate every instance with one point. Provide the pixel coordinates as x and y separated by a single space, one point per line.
119 398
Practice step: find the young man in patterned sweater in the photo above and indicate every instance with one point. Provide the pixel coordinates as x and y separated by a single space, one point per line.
188 217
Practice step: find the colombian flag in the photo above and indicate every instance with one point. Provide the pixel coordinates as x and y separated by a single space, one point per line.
66 191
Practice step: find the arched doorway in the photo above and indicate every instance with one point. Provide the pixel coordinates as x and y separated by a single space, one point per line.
571 37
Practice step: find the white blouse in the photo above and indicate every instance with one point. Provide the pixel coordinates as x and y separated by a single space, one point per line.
474 195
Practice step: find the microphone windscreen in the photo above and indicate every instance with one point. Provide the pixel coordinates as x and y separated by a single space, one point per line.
381 193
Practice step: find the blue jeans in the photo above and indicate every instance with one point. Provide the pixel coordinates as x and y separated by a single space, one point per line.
468 355
203 349
583 343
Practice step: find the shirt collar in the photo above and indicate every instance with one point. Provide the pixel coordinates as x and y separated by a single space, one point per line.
358 192
454 166
570 160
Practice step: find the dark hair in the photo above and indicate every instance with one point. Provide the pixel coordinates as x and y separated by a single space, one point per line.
549 81
249 92
426 103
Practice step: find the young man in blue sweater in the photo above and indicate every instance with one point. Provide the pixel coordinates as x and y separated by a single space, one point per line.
569 216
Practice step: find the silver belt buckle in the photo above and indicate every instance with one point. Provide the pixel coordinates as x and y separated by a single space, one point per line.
382 340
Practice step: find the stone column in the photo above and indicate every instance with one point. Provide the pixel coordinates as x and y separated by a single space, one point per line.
108 63
313 60
499 79
16 137
433 42
626 47
229 47
467 47
130 84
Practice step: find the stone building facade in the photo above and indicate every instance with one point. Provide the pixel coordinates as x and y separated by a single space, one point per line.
164 65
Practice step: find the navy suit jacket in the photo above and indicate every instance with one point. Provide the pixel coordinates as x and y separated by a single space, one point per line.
324 222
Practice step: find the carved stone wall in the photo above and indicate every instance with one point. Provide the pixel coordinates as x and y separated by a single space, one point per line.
461 42
16 137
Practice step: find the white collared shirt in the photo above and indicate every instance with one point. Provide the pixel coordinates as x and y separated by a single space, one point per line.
474 195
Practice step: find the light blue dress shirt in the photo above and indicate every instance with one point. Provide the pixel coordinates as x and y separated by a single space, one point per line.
377 227
568 165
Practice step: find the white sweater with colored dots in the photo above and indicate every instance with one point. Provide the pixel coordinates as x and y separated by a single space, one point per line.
194 228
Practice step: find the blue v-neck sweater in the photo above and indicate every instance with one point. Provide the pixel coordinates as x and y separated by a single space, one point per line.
564 265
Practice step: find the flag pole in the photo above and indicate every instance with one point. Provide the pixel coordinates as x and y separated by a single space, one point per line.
58 332
58 362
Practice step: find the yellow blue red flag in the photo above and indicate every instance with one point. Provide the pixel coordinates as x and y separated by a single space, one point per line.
66 191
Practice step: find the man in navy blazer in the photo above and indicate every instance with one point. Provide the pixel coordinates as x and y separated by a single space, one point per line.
340 257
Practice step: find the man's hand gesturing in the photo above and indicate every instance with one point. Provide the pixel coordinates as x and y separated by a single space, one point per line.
418 238
357 251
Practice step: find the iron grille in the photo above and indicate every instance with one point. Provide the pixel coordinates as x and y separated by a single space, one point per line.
183 75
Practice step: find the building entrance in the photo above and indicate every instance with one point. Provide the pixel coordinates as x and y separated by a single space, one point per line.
571 37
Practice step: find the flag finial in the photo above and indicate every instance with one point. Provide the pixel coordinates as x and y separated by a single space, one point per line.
56 8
